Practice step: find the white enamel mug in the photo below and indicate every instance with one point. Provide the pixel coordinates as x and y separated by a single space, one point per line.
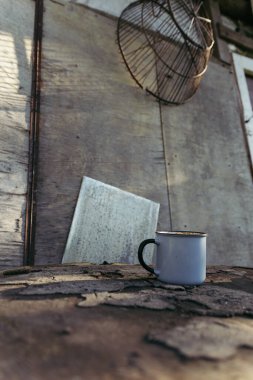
180 257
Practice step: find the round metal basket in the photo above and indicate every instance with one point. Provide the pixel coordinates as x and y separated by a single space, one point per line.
166 45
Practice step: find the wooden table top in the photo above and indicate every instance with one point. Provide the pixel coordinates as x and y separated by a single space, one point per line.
116 321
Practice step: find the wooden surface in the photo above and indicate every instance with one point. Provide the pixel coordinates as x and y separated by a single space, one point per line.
94 122
16 20
221 50
237 38
206 152
97 122
115 322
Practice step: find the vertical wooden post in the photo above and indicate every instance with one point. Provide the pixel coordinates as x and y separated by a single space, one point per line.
221 50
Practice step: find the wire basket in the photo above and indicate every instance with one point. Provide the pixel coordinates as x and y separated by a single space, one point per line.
166 45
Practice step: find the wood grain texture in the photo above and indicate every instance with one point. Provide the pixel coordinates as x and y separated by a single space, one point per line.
94 121
221 50
237 38
210 181
15 72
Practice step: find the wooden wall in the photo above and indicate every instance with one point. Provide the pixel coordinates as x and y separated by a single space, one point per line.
210 182
95 121
16 34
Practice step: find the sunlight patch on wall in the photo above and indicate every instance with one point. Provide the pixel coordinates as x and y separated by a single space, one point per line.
113 7
28 49
8 64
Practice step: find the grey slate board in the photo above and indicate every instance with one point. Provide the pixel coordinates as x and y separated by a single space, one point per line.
109 224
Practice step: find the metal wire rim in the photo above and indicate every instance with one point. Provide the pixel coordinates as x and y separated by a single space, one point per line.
151 42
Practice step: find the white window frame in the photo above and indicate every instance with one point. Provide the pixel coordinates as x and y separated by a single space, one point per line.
244 65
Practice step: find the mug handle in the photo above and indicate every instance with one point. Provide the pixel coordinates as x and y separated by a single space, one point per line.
140 254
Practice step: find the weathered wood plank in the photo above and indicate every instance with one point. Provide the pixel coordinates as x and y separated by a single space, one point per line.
210 181
221 50
15 73
236 38
94 121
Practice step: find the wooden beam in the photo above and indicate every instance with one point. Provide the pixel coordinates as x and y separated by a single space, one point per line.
221 50
236 38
